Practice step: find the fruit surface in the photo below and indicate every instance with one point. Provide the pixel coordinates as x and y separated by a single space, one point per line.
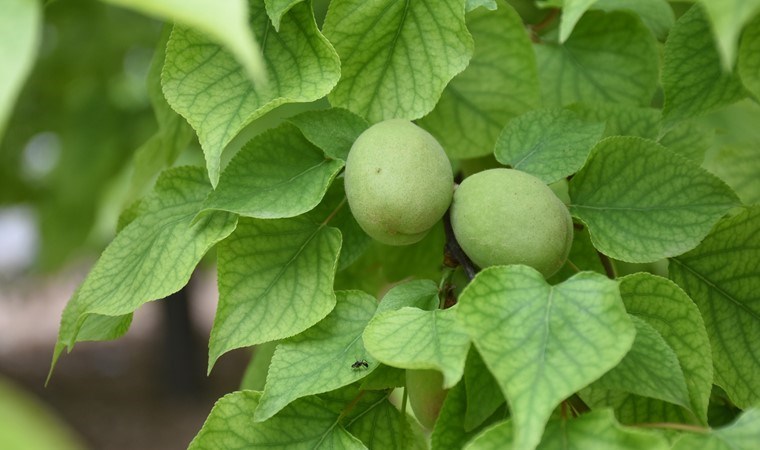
426 395
504 216
398 181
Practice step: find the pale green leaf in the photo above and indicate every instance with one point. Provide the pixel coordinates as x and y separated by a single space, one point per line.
209 88
275 281
225 22
149 259
739 166
721 276
500 82
333 130
384 377
277 174
595 430
610 57
321 358
664 306
689 139
255 375
743 434
547 143
483 393
305 425
20 33
542 342
650 369
421 294
656 14
643 203
621 120
572 10
412 338
727 18
278 8
692 77
749 57
474 4
396 57
383 426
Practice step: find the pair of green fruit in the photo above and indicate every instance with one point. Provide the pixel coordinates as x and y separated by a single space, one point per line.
399 183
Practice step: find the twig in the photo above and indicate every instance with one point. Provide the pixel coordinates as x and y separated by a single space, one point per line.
609 269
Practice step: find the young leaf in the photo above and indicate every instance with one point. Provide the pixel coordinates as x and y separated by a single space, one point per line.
650 369
411 338
396 57
610 57
321 358
483 393
749 57
275 281
727 18
207 86
721 276
743 434
224 22
306 424
278 174
383 426
643 203
149 259
542 342
664 306
500 82
20 32
692 78
333 130
549 143
597 429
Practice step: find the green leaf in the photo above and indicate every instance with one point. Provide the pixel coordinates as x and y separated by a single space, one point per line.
225 23
383 426
743 434
333 130
207 86
474 4
20 33
657 15
610 57
643 203
583 256
665 307
650 369
278 8
396 57
597 429
449 431
278 174
500 82
721 277
421 294
149 259
543 343
633 409
549 143
305 424
321 358
692 77
621 120
483 393
275 281
572 10
727 18
384 377
749 57
738 166
689 139
411 338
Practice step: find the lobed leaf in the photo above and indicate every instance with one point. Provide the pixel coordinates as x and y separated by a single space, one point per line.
396 57
692 77
276 175
543 343
149 259
275 281
306 424
721 277
610 57
208 87
643 203
549 144
321 358
500 82
20 33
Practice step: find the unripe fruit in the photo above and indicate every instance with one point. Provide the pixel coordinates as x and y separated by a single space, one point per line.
504 216
398 181
426 395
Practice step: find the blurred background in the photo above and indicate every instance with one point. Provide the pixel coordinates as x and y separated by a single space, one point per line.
65 175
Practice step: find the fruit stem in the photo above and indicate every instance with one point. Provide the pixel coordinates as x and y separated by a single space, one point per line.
609 269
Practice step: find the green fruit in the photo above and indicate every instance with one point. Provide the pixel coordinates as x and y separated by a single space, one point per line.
504 216
398 181
426 395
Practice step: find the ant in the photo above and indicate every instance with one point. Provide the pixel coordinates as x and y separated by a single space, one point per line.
359 364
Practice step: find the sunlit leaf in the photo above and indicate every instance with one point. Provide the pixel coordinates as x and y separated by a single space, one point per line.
743 434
